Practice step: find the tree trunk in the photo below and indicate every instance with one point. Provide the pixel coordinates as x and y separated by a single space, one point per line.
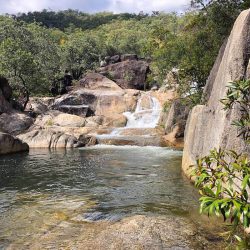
27 93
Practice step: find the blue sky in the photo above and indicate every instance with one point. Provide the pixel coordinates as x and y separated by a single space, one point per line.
91 6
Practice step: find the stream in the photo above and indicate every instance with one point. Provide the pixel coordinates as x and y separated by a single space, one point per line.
80 199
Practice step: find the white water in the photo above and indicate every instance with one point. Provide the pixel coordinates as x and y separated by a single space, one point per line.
144 117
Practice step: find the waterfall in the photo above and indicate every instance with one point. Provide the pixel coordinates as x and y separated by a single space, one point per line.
146 115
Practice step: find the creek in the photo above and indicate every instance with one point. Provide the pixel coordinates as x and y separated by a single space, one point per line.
47 198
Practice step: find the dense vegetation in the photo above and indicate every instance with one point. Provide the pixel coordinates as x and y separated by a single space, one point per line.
37 47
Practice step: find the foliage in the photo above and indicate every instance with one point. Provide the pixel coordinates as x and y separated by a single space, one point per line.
223 178
48 43
71 19
238 93
80 53
28 56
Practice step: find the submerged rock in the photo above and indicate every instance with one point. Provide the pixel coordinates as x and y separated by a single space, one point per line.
135 232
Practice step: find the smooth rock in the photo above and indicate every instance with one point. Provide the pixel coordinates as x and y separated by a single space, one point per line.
97 81
210 126
135 232
67 120
48 138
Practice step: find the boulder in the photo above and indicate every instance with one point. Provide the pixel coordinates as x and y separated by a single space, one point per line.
97 81
15 122
88 140
210 126
110 103
117 120
173 139
67 120
46 120
98 96
78 97
142 141
11 144
49 138
129 74
94 121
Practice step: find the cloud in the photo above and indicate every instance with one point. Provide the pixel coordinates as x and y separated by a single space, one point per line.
148 5
117 6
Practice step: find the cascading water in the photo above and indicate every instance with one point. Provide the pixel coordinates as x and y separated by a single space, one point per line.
144 117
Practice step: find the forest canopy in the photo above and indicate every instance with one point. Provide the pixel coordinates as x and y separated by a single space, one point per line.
37 47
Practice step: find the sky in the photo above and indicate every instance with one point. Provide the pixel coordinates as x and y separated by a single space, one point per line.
92 6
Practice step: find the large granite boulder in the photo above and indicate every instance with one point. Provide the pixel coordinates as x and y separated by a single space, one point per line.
67 120
11 144
49 138
128 74
82 98
103 101
97 81
210 126
15 122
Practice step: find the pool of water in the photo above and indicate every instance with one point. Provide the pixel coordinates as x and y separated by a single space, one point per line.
41 189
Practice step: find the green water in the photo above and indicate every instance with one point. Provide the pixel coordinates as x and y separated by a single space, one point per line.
40 189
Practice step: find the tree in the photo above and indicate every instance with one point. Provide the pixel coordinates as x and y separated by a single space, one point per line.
81 52
29 58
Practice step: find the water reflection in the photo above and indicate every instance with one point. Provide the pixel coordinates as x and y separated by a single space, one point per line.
41 189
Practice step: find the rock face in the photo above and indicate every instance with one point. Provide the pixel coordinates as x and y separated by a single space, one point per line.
10 144
128 74
209 126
